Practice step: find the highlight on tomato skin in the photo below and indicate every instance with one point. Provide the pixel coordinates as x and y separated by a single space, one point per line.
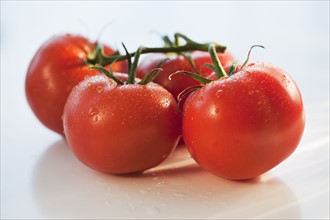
252 121
121 129
58 65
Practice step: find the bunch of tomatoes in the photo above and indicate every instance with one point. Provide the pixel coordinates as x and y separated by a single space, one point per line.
121 115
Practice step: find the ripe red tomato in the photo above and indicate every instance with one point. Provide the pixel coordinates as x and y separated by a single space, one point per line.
244 125
179 62
58 65
120 129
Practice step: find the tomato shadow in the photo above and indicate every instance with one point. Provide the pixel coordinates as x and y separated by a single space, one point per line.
178 188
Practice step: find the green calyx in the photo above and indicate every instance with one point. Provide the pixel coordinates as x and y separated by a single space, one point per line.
131 70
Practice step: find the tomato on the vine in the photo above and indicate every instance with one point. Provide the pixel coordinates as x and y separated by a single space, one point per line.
59 65
120 129
251 121
171 63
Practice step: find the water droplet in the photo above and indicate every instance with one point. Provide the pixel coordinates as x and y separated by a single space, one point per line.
164 155
218 93
92 111
200 98
95 118
165 102
99 89
89 84
216 110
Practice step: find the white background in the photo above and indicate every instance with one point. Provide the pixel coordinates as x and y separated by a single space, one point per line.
40 178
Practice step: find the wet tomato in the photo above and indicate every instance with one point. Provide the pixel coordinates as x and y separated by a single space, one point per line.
121 129
241 126
58 65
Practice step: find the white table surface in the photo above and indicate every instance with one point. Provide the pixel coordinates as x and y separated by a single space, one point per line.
40 177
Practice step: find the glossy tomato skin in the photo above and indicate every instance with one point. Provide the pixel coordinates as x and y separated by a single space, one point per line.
178 62
251 121
121 129
58 65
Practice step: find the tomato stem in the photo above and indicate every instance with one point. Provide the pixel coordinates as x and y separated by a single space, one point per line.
218 69
248 56
189 46
184 37
195 76
131 73
107 73
150 76
185 93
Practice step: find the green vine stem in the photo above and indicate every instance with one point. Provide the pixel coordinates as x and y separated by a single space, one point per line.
190 45
248 56
218 69
131 74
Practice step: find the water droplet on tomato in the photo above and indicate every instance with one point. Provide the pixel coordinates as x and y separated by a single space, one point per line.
200 98
95 118
218 93
165 102
92 111
99 89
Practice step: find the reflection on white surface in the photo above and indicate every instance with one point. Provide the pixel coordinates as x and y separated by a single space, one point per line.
64 188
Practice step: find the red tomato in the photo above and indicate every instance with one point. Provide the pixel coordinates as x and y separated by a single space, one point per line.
179 62
120 129
58 65
244 125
